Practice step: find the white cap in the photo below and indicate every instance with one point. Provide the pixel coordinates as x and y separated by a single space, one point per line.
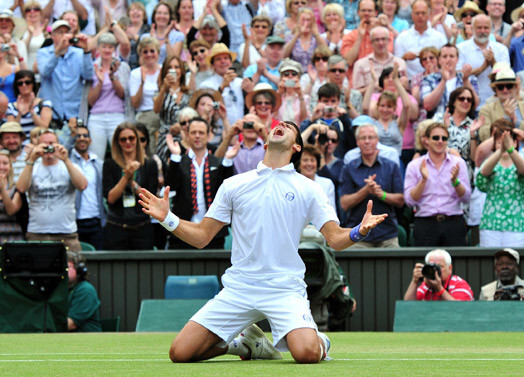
507 251
60 23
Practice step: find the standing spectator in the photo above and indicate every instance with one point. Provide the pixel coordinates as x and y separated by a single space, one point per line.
127 227
350 12
266 70
429 60
199 69
143 86
10 28
350 99
372 177
287 26
316 74
11 137
51 185
436 184
263 101
333 18
172 97
226 81
481 53
209 105
195 177
238 15
208 25
137 27
465 15
443 287
294 104
62 69
162 29
10 201
508 282
496 9
89 205
34 36
439 18
395 24
249 51
274 9
515 40
420 35
7 71
108 96
28 109
502 223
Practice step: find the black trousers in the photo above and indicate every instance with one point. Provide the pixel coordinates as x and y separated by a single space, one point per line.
118 238
90 231
440 231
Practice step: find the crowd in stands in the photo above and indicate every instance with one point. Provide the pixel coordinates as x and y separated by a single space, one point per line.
415 105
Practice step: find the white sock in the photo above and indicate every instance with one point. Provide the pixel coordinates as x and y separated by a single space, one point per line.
237 348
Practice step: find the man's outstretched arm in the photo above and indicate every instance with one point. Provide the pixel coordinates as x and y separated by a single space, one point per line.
195 234
339 238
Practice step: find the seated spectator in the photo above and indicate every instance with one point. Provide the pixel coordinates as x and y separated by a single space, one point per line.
134 31
184 16
444 286
308 167
34 36
51 184
294 103
199 69
378 59
127 227
506 104
394 23
333 18
316 74
329 112
508 286
171 41
172 97
28 109
502 222
10 202
429 60
263 101
372 177
437 87
210 106
266 70
301 46
249 51
350 99
108 96
208 26
436 184
288 25
84 306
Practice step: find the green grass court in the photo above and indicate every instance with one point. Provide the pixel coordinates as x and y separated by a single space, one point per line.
354 354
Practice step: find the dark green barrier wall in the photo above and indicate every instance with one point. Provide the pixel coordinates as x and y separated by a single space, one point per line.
378 278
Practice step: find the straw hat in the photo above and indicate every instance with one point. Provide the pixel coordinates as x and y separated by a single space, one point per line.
468 6
217 97
515 15
263 88
13 127
506 76
217 49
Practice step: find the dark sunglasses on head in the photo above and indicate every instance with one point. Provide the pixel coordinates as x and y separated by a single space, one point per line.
502 86
323 58
437 138
200 50
465 99
24 82
337 70
129 138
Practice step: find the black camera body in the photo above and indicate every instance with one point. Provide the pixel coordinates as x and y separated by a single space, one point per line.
322 139
508 293
248 125
428 271
49 149
73 41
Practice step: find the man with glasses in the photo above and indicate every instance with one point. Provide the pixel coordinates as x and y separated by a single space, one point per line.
499 28
63 69
377 60
372 177
226 81
51 179
420 35
266 70
89 202
481 54
436 184
350 99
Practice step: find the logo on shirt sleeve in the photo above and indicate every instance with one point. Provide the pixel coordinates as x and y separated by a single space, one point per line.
290 196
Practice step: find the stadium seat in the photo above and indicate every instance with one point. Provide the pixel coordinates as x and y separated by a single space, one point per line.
166 315
110 324
191 287
87 246
402 236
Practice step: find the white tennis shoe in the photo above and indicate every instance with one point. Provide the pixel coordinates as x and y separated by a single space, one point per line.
327 345
261 348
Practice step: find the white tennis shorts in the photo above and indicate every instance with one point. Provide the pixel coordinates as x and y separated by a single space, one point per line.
283 301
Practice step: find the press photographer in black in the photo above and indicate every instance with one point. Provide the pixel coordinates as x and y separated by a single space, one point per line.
508 285
434 281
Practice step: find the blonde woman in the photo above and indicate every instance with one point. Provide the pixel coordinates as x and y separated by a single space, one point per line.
10 201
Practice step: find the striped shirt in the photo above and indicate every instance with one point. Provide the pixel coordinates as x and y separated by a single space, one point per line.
455 285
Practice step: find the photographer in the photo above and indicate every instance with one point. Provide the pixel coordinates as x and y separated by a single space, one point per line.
438 283
508 285
51 184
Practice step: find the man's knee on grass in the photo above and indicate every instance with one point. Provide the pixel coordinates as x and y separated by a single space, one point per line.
309 353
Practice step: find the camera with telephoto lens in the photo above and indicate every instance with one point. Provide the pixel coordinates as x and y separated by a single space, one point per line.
428 271
49 149
322 139
248 125
5 47
508 293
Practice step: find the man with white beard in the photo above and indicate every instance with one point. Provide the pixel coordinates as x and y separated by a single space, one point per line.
482 53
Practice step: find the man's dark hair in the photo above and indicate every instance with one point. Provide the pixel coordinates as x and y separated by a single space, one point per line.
85 128
295 158
449 45
198 119
328 90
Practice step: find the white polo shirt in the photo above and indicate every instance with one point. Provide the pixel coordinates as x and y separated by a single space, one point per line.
268 209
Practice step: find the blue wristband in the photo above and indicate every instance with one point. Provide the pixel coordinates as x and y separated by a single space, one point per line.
355 235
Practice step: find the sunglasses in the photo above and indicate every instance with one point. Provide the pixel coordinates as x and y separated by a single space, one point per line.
149 51
468 14
183 122
200 50
262 103
334 141
129 138
465 99
82 136
299 3
337 70
320 58
260 26
34 9
428 58
24 82
437 138
290 74
502 86
143 139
